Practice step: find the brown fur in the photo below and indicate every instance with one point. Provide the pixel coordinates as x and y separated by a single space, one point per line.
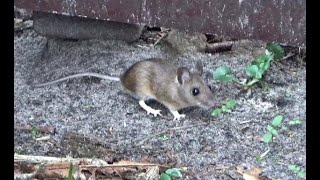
157 79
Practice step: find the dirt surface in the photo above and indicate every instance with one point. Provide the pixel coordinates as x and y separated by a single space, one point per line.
95 118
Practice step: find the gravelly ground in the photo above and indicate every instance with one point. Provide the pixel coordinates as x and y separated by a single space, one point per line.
94 117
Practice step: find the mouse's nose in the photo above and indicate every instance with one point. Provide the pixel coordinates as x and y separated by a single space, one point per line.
209 103
212 103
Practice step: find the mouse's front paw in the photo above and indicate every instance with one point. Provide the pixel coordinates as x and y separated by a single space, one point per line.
154 112
178 116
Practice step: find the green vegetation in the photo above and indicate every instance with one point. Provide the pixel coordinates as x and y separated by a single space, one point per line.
224 108
297 170
255 70
173 172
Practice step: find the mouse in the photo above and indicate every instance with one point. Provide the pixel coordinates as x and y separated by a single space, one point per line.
158 79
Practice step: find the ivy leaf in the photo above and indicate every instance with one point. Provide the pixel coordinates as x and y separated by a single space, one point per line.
302 174
262 59
227 78
223 74
253 71
216 112
276 49
272 130
277 121
295 122
231 103
165 176
174 172
264 66
292 167
267 137
224 108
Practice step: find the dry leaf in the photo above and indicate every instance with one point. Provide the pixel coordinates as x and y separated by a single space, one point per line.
252 174
240 170
250 177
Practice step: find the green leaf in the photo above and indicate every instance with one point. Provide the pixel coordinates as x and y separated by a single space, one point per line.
267 137
164 137
260 73
231 103
270 128
292 167
259 158
216 112
276 49
262 59
224 108
70 171
295 122
222 74
265 66
253 71
165 176
34 132
277 120
227 78
174 172
274 132
302 174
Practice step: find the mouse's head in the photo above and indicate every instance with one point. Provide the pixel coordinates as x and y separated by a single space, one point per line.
193 87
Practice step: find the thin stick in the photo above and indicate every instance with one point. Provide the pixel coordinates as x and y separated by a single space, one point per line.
98 163
289 56
244 122
159 39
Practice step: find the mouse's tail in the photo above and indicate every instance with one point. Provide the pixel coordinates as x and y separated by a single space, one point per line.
111 78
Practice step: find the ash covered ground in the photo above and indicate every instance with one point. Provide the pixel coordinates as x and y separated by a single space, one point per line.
95 118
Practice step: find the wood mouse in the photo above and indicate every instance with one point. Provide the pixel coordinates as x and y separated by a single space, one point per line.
174 87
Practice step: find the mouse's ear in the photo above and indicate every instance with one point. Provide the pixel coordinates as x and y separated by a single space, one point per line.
183 75
199 68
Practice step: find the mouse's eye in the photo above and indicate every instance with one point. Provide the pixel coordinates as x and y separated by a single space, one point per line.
209 87
195 91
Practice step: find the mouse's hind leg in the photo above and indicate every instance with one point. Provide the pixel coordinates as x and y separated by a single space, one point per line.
149 109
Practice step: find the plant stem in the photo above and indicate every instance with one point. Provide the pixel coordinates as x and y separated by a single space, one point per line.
251 82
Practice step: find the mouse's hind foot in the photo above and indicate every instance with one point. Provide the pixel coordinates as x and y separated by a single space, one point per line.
149 109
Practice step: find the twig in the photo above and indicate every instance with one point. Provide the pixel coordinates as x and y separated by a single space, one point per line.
265 153
38 159
169 129
221 167
288 56
282 163
119 165
219 47
65 162
41 129
162 35
44 138
244 122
